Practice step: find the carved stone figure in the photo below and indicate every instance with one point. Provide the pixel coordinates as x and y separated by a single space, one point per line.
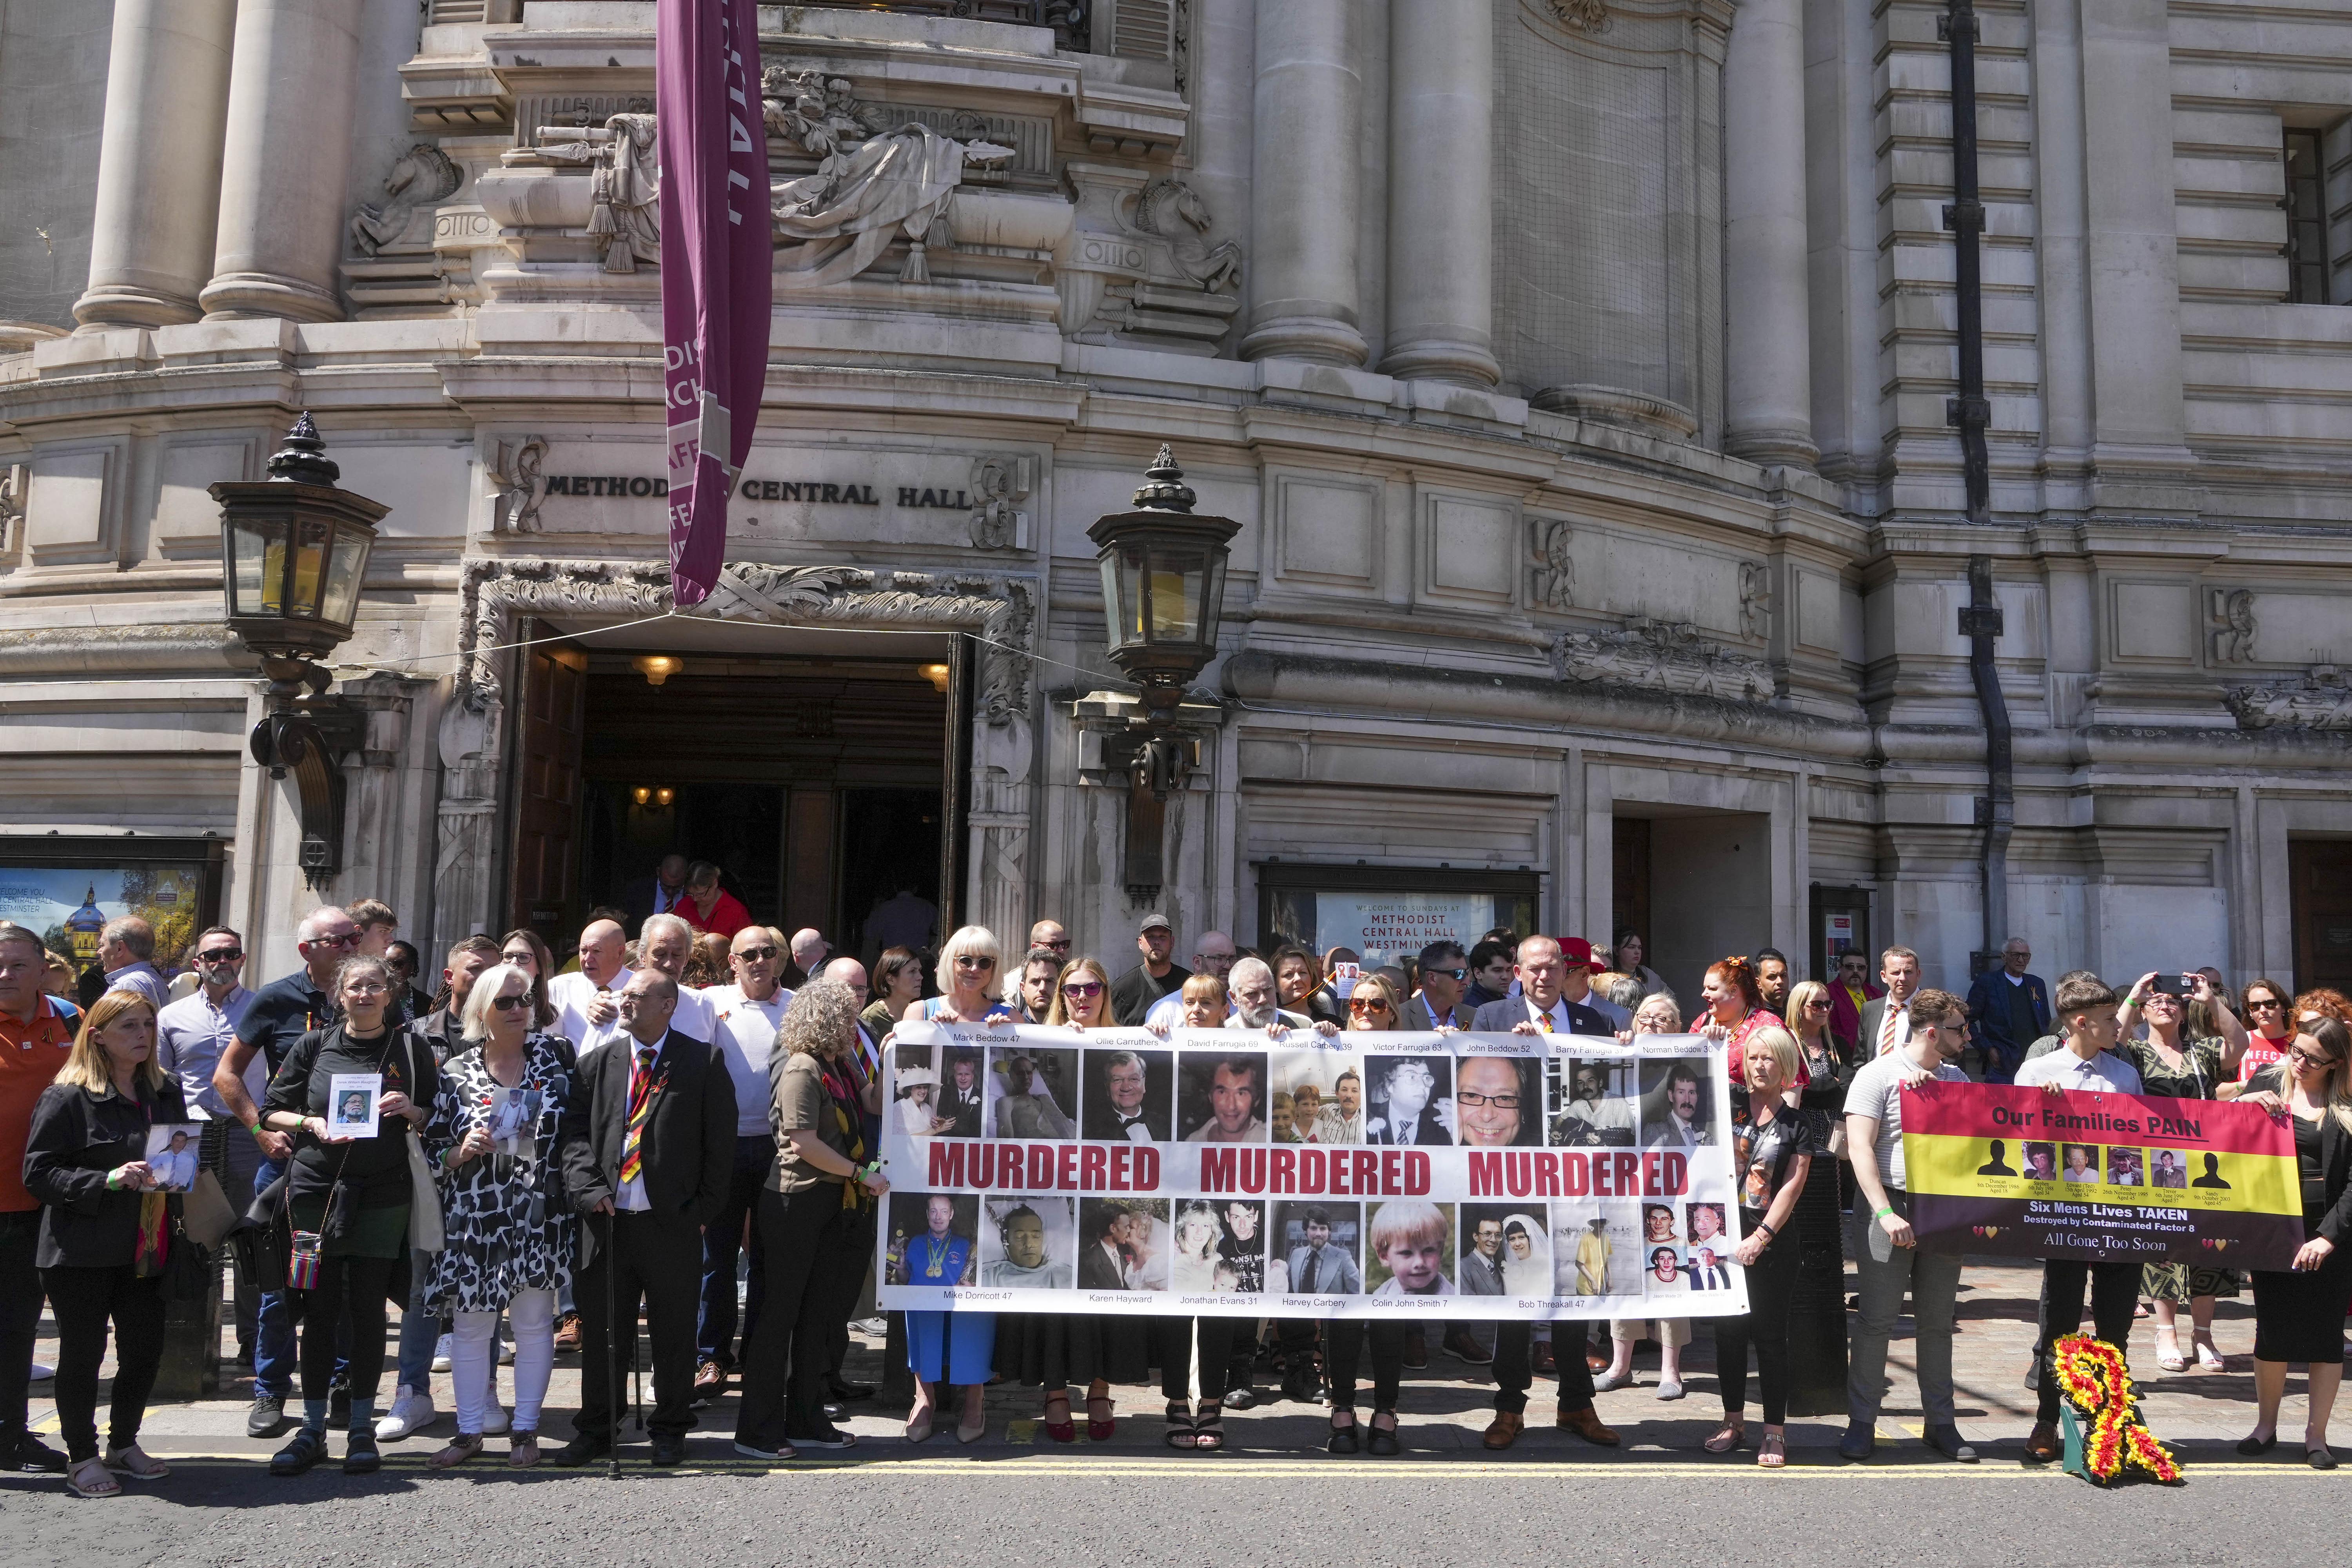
2322 699
423 176
869 184
1212 267
1660 656
1755 599
14 479
2230 612
520 485
1555 573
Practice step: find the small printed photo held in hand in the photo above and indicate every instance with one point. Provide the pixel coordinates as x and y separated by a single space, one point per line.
352 1100
171 1156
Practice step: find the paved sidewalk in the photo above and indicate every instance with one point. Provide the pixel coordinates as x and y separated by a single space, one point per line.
1445 1408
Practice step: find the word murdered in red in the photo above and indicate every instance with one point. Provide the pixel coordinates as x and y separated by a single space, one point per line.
1044 1167
1341 1173
1572 1173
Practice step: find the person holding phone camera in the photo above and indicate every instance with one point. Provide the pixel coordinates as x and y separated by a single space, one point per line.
106 1232
348 1198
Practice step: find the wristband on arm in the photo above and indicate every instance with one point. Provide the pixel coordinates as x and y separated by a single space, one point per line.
1883 1210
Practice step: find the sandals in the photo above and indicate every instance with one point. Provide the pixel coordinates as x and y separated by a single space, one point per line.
1100 1428
1773 1452
137 1463
1062 1431
522 1450
2209 1355
91 1478
462 1447
2167 1350
1726 1438
1209 1429
1180 1424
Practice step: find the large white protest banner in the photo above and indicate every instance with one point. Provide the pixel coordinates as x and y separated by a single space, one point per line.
1218 1172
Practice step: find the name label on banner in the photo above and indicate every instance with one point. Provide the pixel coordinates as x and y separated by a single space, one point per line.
1226 1172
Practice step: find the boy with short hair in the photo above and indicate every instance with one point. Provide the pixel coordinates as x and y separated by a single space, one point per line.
2084 1062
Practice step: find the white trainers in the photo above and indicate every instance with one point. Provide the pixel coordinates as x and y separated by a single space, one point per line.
441 1349
506 1352
412 1411
496 1420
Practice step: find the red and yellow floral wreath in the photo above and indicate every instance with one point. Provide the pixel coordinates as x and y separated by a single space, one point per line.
2093 1375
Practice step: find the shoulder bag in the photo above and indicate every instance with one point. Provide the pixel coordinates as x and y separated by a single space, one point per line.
425 1231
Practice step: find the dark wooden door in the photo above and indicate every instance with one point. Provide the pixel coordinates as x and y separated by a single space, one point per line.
546 838
2319 873
1629 861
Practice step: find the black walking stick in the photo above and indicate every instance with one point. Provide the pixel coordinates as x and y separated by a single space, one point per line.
612 1344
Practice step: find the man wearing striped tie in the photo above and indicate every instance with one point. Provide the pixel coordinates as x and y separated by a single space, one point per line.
649 1149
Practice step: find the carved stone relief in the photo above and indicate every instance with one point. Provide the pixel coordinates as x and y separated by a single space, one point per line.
2321 699
999 484
2229 620
520 485
14 479
1139 268
1552 585
1584 15
1660 656
402 260
423 176
1754 600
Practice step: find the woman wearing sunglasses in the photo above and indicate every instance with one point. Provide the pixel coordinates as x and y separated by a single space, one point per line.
508 1234
1372 1005
2299 1312
1064 1352
969 966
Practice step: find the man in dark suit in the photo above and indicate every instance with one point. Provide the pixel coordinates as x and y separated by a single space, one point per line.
1121 1106
1707 1271
1898 971
1554 978
1445 978
960 1096
1408 1116
657 894
649 1144
2008 1011
1102 1263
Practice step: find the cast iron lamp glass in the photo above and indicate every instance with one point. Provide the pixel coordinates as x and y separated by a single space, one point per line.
294 550
1163 577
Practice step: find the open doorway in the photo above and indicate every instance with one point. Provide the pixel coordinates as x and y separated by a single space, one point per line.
1697 884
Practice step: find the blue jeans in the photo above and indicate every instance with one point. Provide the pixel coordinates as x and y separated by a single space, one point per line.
722 1242
419 1330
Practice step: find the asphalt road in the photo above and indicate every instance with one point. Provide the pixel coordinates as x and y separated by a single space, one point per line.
1240 1508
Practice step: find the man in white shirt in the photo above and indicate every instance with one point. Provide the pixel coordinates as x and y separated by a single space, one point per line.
665 944
2087 1009
745 1016
126 947
587 1003
190 1036
1887 1255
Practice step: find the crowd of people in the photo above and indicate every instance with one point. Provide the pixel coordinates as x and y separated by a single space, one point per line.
566 1150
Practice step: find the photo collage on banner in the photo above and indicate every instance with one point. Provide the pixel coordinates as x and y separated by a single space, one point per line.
1361 1175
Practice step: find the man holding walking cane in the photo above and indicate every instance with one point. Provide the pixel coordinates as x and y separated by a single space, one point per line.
654 1154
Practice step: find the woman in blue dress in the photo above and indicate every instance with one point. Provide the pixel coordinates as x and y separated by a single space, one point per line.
953 1347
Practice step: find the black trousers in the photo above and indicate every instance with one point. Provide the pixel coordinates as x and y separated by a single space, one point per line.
343 1319
858 1252
85 1299
810 1241
1514 1364
1771 1285
722 1243
21 1294
1221 1345
655 1261
1343 1341
2114 1292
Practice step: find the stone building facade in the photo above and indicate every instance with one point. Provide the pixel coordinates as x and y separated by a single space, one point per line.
1577 369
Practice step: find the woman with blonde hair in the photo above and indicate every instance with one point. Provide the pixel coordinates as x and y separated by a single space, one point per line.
105 1233
1773 1147
970 962
2299 1311
1659 1014
1082 996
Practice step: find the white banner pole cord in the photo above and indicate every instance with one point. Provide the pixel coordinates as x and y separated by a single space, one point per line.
1225 1172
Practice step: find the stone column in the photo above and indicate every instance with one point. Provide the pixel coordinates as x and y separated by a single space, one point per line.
1767 349
1441 190
158 163
1303 180
287 161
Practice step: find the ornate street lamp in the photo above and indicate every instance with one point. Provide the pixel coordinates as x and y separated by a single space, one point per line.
1163 576
294 550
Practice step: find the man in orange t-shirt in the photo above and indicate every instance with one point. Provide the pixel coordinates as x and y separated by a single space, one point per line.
36 1032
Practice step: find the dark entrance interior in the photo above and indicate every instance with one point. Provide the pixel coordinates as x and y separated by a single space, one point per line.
816 785
2319 873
